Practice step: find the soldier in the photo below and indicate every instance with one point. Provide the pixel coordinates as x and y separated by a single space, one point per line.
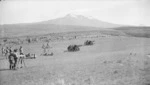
44 49
21 50
21 58
10 50
47 47
3 51
7 52
13 60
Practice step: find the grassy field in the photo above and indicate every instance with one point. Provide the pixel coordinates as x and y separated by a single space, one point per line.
113 60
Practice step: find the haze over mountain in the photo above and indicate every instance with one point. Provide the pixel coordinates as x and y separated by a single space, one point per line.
68 23
80 20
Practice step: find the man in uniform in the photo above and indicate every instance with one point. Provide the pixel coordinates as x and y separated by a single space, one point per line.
7 52
21 50
3 51
13 60
44 49
21 58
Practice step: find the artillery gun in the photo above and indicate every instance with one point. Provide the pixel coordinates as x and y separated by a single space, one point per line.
89 42
73 48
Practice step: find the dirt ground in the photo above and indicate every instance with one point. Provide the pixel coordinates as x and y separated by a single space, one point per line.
110 61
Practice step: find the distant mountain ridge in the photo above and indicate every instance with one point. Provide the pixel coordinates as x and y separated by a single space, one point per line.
68 23
80 20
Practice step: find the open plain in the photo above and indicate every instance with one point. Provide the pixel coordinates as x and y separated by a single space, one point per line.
112 60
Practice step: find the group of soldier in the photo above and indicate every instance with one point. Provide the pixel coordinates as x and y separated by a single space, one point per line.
12 56
6 51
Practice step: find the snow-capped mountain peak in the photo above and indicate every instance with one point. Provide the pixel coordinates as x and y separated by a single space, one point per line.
80 20
72 15
79 16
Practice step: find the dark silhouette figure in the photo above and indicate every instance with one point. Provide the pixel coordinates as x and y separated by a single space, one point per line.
12 60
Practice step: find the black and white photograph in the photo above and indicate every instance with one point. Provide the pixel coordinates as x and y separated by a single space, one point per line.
74 42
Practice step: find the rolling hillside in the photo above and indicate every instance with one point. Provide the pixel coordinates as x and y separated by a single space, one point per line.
135 31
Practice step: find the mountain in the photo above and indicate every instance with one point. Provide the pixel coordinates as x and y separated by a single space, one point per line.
80 20
67 23
70 23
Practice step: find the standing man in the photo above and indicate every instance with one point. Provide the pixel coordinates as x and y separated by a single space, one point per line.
7 52
13 60
44 49
10 50
3 51
21 58
47 47
21 50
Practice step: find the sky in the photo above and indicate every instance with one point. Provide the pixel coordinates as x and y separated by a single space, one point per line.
126 12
